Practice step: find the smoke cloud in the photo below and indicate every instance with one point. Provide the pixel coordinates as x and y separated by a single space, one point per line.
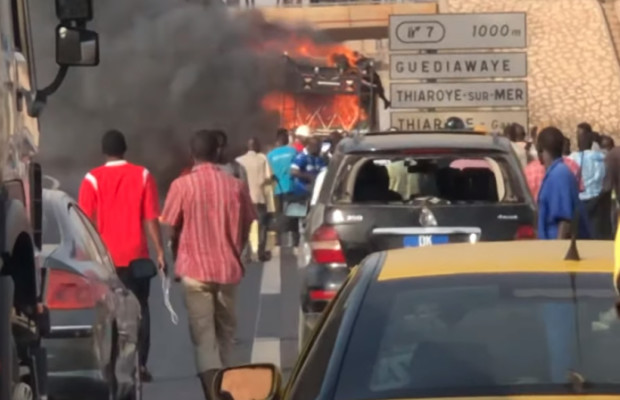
168 67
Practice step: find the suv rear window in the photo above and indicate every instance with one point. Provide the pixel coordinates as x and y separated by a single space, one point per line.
438 179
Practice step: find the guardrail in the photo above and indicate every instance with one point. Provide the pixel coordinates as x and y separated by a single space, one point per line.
324 3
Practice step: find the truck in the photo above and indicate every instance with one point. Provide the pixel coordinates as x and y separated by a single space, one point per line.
324 96
24 319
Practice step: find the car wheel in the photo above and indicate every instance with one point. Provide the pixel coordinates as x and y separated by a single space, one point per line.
10 385
136 390
136 394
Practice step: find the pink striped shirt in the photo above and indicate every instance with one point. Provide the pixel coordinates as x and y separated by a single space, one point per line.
214 211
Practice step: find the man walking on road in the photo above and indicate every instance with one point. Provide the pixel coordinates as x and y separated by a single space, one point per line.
280 160
212 212
305 167
558 199
121 198
230 167
596 201
259 175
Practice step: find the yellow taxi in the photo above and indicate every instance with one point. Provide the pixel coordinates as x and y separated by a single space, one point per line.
484 320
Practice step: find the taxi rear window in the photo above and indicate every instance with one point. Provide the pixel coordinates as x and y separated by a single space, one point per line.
442 179
483 335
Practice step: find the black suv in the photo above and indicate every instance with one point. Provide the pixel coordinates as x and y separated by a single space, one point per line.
399 189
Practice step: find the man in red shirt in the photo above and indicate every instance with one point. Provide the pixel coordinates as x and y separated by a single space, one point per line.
121 199
211 213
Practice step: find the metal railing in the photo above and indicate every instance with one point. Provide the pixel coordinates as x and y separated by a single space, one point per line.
316 3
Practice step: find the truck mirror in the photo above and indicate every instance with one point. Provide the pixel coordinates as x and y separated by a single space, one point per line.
76 47
74 10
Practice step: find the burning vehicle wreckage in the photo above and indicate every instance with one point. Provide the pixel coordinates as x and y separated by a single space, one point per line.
337 91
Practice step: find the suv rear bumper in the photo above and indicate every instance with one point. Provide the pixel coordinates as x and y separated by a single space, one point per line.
320 277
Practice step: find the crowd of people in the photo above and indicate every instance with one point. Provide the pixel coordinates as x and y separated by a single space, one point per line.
591 166
209 210
210 207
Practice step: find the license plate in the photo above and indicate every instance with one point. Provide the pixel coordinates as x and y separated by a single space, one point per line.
424 240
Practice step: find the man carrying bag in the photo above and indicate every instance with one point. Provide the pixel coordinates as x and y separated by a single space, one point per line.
121 200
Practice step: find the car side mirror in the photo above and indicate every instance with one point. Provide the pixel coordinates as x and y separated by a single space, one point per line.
74 10
247 382
76 47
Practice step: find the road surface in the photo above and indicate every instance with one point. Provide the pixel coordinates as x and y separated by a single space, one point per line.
267 310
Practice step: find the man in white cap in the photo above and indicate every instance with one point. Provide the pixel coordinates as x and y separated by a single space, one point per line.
302 133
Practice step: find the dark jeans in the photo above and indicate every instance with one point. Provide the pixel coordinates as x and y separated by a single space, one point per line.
263 226
141 288
598 210
287 224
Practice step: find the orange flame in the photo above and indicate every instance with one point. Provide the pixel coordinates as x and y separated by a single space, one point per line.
304 47
319 112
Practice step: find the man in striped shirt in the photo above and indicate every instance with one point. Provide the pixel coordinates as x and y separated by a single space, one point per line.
211 213
121 199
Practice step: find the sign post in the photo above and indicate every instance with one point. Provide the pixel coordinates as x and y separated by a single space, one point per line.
458 66
458 95
424 121
457 31
427 87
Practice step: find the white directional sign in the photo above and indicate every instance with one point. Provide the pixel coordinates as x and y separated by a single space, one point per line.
458 31
459 66
458 95
495 121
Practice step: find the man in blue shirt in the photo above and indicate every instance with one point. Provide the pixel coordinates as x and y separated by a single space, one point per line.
558 202
558 198
596 201
305 168
280 160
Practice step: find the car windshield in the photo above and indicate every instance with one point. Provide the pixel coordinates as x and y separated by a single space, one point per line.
483 335
455 178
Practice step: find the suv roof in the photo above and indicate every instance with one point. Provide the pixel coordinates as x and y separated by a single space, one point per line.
395 140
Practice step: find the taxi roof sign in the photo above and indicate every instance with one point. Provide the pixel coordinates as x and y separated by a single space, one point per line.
480 129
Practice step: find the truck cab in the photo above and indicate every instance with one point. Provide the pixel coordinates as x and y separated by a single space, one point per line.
23 317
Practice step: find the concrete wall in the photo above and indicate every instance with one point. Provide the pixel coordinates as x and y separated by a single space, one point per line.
574 75
348 22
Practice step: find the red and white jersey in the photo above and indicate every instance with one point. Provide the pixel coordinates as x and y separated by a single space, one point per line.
119 197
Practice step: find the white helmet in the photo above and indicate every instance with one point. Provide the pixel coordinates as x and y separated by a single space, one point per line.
303 131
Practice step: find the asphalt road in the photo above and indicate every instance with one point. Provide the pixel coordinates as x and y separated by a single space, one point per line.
267 310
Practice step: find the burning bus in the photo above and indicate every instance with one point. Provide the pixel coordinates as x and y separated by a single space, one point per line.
327 88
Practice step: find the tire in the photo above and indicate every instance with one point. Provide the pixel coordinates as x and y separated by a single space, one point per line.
8 360
136 392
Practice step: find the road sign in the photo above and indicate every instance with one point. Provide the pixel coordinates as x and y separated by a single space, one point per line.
495 121
461 66
458 94
458 31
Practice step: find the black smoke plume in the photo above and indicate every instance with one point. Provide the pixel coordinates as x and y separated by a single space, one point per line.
168 67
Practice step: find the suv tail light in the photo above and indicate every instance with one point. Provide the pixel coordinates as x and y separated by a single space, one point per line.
322 295
69 291
325 246
525 232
